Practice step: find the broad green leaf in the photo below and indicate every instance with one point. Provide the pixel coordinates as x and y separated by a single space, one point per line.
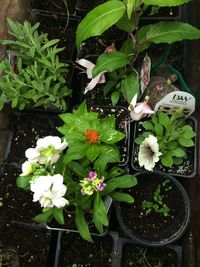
165 2
172 145
78 169
138 140
125 181
130 6
108 87
108 123
163 119
167 160
99 212
177 161
115 98
185 142
158 129
111 136
58 215
68 119
99 20
75 152
109 62
130 86
179 152
122 197
44 217
126 24
127 47
148 125
82 109
23 181
82 225
166 32
188 132
93 152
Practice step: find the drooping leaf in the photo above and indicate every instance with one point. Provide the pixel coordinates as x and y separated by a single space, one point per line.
115 98
130 87
99 213
99 20
110 61
166 32
58 215
82 225
122 197
165 2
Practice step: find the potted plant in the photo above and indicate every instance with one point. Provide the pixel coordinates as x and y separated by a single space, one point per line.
38 77
155 218
120 65
166 143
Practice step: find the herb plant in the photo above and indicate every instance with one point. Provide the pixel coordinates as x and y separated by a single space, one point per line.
91 137
123 77
76 186
158 205
40 76
173 135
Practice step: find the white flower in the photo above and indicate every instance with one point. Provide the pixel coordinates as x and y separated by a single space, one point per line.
49 191
149 153
47 149
27 168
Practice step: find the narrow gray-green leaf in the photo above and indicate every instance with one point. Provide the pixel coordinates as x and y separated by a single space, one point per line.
109 62
166 32
165 2
99 20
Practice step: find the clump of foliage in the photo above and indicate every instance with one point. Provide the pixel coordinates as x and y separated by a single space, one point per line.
40 77
120 65
173 134
158 205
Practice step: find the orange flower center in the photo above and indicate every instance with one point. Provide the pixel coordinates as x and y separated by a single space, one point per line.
92 136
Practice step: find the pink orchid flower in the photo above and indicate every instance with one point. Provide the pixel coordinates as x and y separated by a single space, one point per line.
139 110
100 78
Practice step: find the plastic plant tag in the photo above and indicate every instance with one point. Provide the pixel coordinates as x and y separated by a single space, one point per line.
108 202
174 101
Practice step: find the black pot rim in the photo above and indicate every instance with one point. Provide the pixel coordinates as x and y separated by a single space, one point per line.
177 235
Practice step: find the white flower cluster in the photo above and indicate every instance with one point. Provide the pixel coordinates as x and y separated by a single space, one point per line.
49 191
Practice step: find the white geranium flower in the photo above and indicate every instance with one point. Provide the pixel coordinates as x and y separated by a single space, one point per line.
149 153
27 168
47 149
49 191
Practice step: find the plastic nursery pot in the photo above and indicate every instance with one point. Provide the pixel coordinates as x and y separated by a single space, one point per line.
58 27
25 129
131 253
122 125
145 225
187 169
72 249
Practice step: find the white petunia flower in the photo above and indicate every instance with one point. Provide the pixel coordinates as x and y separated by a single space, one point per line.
49 191
149 153
27 168
47 149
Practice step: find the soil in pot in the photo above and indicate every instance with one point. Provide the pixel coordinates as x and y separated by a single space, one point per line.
29 247
75 250
186 169
57 6
8 257
85 6
136 256
151 226
168 13
26 129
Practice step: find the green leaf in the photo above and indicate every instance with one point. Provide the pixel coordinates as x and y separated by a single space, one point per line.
50 43
126 24
130 86
125 181
163 119
130 5
177 161
93 152
115 98
167 160
111 136
108 123
165 2
122 197
100 216
166 32
185 142
188 132
75 152
23 181
179 152
109 62
82 109
172 145
138 140
158 129
58 215
148 125
99 20
44 217
82 225
127 47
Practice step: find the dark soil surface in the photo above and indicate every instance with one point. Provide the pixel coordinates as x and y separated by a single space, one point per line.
186 169
153 226
135 256
85 6
57 6
165 13
30 245
26 129
74 250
